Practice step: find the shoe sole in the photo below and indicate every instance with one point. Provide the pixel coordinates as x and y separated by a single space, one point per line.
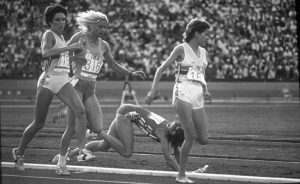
19 168
63 174
14 154
179 181
184 181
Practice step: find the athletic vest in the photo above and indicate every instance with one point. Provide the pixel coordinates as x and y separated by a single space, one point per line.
192 67
94 57
147 121
57 65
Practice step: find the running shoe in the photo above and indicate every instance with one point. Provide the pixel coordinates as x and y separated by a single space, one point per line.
62 171
19 160
184 180
202 170
90 135
85 156
56 157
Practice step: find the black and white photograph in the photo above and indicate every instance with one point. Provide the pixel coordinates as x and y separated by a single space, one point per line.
149 91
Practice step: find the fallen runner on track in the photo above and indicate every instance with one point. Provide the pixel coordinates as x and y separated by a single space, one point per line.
120 135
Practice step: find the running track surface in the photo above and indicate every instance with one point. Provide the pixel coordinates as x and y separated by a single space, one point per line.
31 176
41 173
10 175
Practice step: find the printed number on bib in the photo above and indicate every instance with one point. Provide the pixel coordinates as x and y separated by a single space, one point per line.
63 64
158 119
196 74
92 67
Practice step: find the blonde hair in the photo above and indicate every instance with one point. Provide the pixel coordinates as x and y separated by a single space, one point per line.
89 17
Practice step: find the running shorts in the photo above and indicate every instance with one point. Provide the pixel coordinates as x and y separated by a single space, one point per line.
188 91
52 82
86 87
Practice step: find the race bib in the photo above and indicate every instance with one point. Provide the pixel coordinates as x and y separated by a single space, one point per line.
92 66
63 64
73 81
196 73
158 119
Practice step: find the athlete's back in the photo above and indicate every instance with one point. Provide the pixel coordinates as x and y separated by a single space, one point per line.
146 120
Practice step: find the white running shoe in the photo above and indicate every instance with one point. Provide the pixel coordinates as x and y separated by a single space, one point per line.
56 157
19 160
90 135
202 170
62 171
85 156
184 180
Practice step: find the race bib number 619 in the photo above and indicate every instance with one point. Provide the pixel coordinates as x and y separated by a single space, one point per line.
63 64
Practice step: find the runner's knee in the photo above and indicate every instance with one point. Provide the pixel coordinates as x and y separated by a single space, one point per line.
202 137
190 132
122 119
191 136
38 125
203 140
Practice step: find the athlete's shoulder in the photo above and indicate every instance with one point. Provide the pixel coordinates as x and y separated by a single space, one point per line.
48 38
203 49
77 36
48 34
178 49
179 46
105 44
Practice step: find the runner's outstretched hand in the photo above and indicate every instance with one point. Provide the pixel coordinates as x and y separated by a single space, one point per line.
150 97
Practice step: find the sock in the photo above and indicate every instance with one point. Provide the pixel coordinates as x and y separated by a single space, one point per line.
62 160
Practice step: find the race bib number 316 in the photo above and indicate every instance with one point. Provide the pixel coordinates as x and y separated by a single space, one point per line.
93 65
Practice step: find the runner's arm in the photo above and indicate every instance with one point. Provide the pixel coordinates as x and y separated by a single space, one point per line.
112 63
178 50
166 150
177 154
48 42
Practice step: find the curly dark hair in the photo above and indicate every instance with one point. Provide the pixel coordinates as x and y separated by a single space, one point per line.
195 25
176 138
51 10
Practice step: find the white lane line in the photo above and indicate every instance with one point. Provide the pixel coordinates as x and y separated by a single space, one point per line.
70 179
147 106
206 176
227 158
238 100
